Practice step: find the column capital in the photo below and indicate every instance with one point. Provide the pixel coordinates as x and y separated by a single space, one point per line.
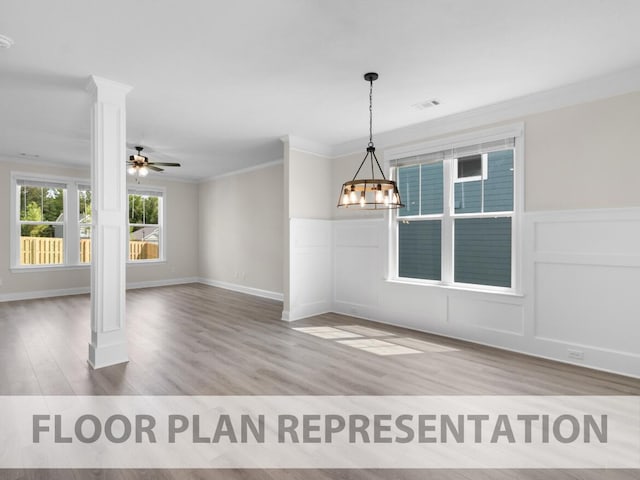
99 86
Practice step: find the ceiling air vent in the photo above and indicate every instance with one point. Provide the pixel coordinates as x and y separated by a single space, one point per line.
426 104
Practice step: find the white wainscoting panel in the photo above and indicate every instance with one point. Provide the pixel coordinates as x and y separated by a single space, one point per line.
487 314
357 266
581 290
585 279
310 268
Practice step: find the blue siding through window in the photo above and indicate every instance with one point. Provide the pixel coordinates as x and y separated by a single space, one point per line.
482 251
468 197
409 187
419 249
498 187
432 188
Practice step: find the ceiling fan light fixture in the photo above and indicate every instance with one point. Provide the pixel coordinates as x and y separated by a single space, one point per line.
139 165
370 193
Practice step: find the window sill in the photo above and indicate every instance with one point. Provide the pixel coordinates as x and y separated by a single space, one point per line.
54 268
145 262
47 268
456 288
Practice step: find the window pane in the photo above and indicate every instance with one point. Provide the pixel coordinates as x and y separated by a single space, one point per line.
470 166
468 197
431 191
41 244
41 204
144 242
143 209
498 187
85 243
84 206
409 187
482 251
419 249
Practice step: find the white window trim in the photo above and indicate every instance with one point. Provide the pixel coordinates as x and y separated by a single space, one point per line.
515 131
71 250
162 216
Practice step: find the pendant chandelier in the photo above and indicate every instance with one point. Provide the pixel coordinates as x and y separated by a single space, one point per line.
370 193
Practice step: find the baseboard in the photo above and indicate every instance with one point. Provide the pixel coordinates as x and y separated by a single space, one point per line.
242 289
307 311
162 283
62 292
356 312
12 297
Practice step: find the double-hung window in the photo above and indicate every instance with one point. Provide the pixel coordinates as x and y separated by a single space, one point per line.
458 226
145 225
41 222
52 224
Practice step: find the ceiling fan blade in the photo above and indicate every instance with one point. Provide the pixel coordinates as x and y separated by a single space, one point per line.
166 164
155 169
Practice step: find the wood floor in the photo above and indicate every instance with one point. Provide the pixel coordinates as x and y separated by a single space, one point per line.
195 339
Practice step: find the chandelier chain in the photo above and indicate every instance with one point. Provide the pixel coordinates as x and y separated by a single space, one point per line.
371 113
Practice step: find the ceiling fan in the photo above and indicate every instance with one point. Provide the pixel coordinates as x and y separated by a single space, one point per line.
140 165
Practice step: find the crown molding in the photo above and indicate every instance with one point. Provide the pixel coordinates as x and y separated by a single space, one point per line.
40 162
242 170
308 146
598 88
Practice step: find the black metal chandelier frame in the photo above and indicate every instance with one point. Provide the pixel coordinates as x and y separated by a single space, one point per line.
370 193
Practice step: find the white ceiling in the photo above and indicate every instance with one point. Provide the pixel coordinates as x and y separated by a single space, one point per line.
217 83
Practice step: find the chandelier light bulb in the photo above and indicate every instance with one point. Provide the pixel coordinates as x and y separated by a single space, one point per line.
144 171
131 170
379 194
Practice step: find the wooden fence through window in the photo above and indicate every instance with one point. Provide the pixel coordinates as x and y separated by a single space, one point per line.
50 251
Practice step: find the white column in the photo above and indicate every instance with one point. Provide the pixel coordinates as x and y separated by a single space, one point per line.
109 248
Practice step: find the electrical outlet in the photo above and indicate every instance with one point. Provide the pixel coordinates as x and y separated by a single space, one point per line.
576 354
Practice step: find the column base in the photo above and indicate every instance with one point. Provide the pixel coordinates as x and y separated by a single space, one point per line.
107 355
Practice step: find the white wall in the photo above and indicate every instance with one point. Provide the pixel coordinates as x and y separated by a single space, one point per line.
581 274
180 247
310 194
584 156
308 258
241 231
